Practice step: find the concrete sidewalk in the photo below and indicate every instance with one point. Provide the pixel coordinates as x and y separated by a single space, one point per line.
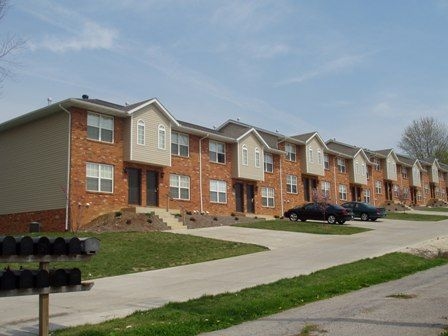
291 254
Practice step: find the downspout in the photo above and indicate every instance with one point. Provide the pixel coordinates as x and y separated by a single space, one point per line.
200 171
67 190
281 188
336 188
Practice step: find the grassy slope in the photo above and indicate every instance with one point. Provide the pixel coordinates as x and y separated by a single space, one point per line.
415 217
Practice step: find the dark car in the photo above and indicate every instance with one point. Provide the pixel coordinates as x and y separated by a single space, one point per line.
332 213
365 211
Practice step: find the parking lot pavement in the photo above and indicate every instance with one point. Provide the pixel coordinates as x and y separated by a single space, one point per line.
290 254
418 308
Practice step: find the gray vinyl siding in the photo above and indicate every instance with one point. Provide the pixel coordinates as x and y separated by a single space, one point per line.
149 153
249 172
33 165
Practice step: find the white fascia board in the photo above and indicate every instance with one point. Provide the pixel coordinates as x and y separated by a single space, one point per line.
160 106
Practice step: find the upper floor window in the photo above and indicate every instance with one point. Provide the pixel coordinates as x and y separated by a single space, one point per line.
341 165
363 169
268 163
179 144
290 150
404 172
357 168
245 156
377 164
368 173
291 184
217 151
180 187
218 191
319 157
310 155
161 137
326 162
140 132
100 177
257 158
100 127
267 197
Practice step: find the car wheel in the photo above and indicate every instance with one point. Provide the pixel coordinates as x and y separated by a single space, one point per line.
331 219
293 217
373 219
342 221
364 217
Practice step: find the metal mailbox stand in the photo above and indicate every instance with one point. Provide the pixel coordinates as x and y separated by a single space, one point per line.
44 293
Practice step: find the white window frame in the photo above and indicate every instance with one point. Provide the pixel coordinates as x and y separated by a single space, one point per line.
310 155
98 171
291 153
267 197
404 172
181 182
218 191
175 137
363 169
367 195
378 187
140 132
326 162
214 147
377 164
291 184
326 188
257 157
342 192
342 168
161 137
244 155
268 163
100 126
319 157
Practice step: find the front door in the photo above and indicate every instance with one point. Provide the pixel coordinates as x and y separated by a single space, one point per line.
250 194
239 197
134 186
152 188
306 189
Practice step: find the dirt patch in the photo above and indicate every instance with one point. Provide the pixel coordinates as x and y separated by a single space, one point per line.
437 247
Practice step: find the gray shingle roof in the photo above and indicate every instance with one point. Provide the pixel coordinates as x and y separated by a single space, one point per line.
303 137
342 148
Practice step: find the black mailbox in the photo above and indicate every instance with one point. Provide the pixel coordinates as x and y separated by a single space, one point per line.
42 246
24 245
7 245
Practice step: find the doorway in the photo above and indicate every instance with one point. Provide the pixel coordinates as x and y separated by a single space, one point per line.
250 194
239 197
152 188
134 186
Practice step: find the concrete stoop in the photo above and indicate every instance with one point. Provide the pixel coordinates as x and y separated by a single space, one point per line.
168 217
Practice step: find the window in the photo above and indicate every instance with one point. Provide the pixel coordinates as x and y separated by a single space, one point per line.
326 162
310 155
367 196
341 165
396 190
419 196
404 173
291 184
217 151
437 191
140 132
161 137
99 177
179 144
245 156
391 166
357 168
218 191
427 189
268 163
377 164
342 192
100 127
180 187
319 157
290 152
368 173
326 189
257 158
378 187
267 197
363 169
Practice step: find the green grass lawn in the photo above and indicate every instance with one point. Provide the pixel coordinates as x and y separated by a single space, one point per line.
415 217
439 209
130 252
210 313
306 227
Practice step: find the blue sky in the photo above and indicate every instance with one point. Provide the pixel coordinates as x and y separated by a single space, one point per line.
357 71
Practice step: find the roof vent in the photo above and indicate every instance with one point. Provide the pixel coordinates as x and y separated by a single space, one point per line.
49 100
126 104
84 96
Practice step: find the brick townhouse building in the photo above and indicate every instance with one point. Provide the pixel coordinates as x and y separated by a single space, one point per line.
67 163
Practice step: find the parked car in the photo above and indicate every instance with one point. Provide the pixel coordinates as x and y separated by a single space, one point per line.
365 211
332 213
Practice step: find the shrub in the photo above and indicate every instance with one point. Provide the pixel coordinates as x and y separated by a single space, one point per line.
215 218
192 219
118 214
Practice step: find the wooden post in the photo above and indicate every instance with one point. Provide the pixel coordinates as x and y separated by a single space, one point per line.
44 311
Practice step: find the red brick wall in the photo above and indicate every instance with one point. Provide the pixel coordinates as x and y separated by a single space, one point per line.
51 220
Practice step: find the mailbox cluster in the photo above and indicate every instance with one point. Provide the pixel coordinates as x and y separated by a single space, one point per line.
43 249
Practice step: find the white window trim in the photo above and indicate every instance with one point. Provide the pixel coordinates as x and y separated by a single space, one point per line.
161 137
291 152
179 134
99 177
268 197
244 155
257 157
221 188
179 187
310 155
271 163
99 127
290 183
141 123
217 143
342 192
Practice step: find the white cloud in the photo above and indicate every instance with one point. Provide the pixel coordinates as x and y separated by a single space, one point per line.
92 36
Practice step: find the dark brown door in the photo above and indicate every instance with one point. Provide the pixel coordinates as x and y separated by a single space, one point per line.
306 189
239 197
134 186
250 194
152 188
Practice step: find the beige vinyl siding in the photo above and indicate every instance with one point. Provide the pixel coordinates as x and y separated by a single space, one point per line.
434 174
313 167
415 180
33 165
149 153
391 173
249 172
358 175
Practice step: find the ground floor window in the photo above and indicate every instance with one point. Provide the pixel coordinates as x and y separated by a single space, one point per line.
378 187
218 191
180 187
367 196
267 197
419 196
326 189
342 192
291 184
99 177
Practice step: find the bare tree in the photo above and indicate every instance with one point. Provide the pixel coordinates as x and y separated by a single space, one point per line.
425 138
8 44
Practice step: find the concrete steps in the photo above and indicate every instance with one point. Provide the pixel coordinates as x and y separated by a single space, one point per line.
166 216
